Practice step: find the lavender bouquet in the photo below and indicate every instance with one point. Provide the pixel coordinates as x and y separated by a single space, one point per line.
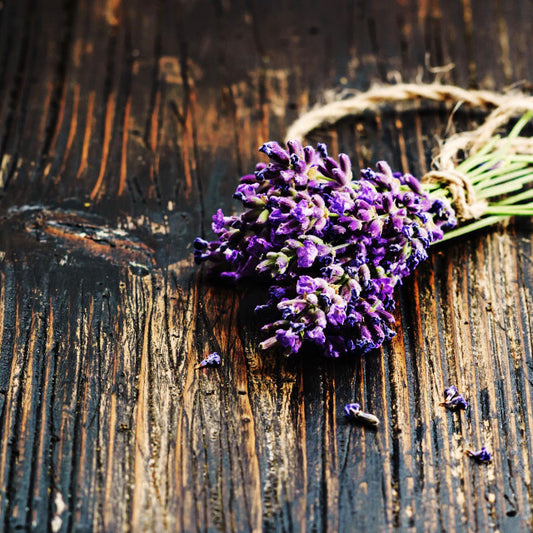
332 247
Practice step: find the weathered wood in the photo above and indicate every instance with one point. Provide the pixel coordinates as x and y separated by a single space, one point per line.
123 126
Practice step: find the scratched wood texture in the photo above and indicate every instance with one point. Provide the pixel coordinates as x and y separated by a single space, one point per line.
123 126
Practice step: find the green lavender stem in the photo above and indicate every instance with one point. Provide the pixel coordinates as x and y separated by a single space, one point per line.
501 178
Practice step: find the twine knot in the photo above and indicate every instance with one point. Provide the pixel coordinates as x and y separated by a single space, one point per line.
467 206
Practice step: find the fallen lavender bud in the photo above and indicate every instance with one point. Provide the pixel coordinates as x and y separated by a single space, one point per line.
458 402
453 400
213 359
352 411
481 456
450 392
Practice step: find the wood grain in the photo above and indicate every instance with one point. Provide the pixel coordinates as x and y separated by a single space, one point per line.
123 127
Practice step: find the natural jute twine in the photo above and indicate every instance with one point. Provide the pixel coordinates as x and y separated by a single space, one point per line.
506 106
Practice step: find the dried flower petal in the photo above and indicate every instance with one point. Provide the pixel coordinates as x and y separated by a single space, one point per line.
453 400
481 456
213 359
450 392
352 411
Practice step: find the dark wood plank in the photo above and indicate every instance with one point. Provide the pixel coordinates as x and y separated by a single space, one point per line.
123 127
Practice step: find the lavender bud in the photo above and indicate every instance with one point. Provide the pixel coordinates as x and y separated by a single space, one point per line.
268 343
453 400
306 254
212 359
309 155
275 152
480 456
385 169
352 411
295 148
450 392
290 340
414 184
200 244
322 150
345 164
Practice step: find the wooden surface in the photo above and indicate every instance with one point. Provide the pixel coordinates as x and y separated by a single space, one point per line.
123 127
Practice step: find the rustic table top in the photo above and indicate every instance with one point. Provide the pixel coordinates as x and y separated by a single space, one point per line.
123 127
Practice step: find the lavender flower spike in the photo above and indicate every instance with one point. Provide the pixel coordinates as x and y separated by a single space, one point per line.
352 411
481 456
213 359
332 248
453 400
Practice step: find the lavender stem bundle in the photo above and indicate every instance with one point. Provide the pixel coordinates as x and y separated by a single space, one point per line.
499 178
332 246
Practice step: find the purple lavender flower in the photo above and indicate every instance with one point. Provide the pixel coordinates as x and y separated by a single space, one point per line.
306 254
450 392
275 152
453 400
213 359
316 335
481 456
337 312
289 339
332 248
352 411
200 244
218 221
307 284
458 402
258 246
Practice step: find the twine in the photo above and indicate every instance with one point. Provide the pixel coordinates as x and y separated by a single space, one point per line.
463 195
467 206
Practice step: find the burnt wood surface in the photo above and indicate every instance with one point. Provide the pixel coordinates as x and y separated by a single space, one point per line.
123 127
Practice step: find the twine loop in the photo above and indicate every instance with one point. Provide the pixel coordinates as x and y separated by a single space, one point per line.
467 143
